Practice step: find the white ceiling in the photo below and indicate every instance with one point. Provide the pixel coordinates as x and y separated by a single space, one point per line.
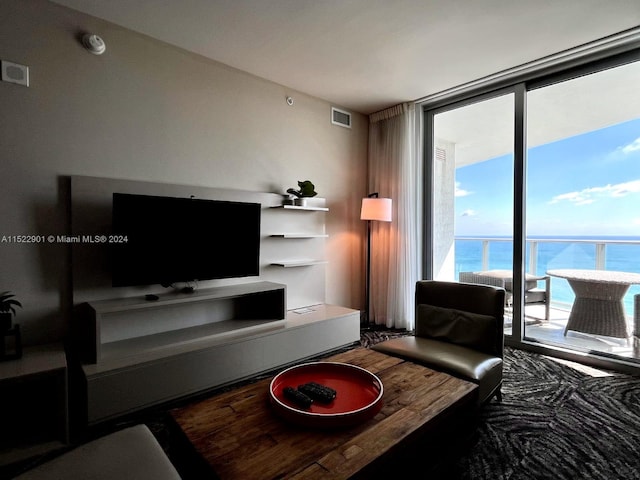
366 55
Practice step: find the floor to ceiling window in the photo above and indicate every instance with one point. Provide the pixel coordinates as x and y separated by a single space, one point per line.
535 187
473 191
583 220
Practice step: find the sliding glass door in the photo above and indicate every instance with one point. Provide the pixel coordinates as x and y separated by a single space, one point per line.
472 185
535 187
583 215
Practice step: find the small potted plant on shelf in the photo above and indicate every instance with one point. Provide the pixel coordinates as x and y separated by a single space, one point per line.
306 190
8 306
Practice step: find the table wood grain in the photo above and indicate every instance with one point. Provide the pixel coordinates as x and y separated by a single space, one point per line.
240 436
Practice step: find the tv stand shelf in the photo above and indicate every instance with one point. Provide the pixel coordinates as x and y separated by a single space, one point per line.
150 347
171 298
137 353
143 371
109 330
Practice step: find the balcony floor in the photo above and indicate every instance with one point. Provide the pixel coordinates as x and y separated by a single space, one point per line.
552 333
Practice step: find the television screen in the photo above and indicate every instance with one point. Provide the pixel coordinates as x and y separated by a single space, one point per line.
170 240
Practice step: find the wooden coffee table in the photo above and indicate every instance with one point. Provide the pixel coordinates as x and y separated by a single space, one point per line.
240 437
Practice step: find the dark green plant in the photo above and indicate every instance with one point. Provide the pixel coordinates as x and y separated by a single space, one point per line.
8 303
307 189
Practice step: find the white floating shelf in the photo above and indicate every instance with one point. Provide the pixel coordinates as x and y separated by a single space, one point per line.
299 235
296 207
298 263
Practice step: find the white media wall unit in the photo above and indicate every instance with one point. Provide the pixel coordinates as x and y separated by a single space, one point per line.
136 352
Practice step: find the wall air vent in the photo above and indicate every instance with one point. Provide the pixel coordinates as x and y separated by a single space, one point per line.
340 117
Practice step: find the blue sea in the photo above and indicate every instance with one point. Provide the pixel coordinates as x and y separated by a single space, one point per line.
555 252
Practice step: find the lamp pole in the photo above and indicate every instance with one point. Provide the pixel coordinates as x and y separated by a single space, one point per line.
373 208
367 284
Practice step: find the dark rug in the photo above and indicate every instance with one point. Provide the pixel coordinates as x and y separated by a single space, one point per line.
557 420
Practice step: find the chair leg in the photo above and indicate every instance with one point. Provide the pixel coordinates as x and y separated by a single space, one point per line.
499 395
547 298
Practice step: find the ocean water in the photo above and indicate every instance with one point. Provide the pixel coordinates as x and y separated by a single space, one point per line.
554 252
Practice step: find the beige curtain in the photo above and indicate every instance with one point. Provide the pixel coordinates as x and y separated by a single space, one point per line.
395 172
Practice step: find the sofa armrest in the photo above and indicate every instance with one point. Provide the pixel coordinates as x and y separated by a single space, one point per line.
129 454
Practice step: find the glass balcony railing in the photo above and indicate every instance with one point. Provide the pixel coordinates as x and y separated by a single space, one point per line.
473 254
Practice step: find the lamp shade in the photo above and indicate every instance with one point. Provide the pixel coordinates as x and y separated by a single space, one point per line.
376 209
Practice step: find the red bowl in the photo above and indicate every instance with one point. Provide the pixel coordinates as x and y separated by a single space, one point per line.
358 394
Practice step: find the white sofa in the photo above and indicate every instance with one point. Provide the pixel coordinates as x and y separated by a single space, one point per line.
129 454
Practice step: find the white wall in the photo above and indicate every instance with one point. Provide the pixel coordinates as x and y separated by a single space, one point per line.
149 111
444 186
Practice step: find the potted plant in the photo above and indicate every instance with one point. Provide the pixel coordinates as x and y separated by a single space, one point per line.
8 306
306 190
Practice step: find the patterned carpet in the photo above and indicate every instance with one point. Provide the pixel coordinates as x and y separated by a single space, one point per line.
557 421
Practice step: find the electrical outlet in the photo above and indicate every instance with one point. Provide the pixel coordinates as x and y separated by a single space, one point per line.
15 73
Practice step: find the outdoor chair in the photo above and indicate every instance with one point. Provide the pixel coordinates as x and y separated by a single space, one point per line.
636 324
459 330
504 279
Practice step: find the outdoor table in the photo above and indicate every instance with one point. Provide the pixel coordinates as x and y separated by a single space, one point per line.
598 308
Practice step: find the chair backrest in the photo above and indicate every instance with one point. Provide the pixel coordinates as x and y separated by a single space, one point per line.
472 298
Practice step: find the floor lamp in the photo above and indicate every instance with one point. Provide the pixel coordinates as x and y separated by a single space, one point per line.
373 208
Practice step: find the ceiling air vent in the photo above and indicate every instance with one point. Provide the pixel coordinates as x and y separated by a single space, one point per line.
340 117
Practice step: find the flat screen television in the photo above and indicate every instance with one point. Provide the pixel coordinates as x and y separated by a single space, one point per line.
171 240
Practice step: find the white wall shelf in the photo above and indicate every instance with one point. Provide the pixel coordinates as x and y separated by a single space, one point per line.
298 263
296 207
300 235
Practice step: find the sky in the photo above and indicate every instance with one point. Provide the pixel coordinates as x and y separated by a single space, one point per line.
588 184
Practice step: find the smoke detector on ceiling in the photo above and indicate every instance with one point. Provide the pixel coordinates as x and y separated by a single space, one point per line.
94 44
